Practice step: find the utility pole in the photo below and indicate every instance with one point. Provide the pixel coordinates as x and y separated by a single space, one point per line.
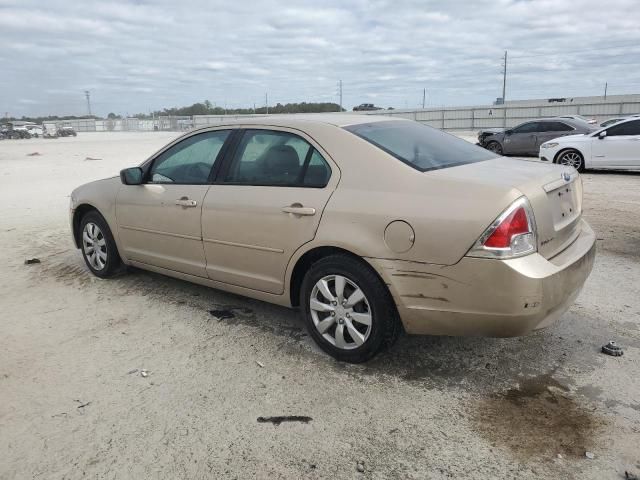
424 97
605 89
266 102
88 95
504 79
340 90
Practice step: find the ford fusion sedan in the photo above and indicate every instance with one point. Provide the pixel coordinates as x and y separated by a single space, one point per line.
614 147
526 138
367 225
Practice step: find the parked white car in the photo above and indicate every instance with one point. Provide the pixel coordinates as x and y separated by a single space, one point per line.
590 121
34 130
616 147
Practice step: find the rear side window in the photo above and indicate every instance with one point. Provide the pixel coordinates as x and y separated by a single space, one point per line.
627 128
529 127
556 127
273 158
422 147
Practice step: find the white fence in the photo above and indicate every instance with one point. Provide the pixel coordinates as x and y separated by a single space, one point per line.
452 118
472 118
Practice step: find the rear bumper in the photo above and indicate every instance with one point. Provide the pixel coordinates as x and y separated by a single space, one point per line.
489 297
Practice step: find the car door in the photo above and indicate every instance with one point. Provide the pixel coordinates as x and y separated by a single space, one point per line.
266 203
619 148
159 220
521 140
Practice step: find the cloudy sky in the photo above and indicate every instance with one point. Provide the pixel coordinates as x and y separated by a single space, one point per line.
141 55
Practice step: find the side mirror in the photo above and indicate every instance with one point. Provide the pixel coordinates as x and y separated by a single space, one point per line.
602 134
508 132
131 176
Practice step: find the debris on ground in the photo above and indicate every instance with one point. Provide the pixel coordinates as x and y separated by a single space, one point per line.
630 476
132 371
31 261
144 373
222 314
91 158
360 467
260 364
560 456
34 154
82 405
285 418
590 455
613 349
225 312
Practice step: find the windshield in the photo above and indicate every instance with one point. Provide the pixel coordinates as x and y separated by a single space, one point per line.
422 147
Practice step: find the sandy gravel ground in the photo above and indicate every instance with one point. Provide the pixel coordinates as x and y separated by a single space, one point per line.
73 403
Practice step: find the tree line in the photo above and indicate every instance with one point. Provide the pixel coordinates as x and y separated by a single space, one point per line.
204 108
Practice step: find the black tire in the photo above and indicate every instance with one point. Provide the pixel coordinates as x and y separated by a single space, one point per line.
100 268
494 147
571 158
385 325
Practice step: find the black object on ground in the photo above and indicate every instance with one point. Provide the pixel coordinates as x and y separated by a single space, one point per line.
31 261
612 349
222 314
285 418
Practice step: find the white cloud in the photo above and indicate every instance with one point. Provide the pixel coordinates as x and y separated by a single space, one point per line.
135 55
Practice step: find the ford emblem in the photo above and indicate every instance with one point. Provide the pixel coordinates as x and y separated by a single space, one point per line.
566 177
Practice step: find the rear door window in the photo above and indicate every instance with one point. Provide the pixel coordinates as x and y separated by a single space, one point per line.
275 158
422 147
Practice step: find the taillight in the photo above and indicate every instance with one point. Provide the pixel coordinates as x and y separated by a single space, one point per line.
512 234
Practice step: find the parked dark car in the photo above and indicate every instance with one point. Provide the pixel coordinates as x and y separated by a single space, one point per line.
66 131
364 107
526 138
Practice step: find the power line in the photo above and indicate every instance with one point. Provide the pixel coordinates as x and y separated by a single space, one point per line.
88 95
504 78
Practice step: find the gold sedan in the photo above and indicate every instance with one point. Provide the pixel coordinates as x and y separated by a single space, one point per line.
367 224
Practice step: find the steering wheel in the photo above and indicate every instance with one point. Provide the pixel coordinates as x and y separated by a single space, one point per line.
198 170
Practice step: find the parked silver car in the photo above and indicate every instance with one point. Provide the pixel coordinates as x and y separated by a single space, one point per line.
526 138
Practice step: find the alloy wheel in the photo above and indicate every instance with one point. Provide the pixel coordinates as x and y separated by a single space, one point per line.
340 312
571 159
94 246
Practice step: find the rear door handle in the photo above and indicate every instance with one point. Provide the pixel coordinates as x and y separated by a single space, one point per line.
299 210
185 202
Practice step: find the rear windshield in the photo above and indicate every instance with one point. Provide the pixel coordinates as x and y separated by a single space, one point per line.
422 147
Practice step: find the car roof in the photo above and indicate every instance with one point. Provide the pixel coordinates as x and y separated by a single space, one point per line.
626 120
571 121
305 119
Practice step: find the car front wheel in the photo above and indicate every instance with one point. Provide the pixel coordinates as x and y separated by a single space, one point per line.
98 246
495 147
347 309
571 158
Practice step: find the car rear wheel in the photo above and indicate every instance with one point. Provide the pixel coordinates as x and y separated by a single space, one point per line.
347 309
98 246
495 147
571 158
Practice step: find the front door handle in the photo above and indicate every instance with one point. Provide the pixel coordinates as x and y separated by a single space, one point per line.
185 202
298 209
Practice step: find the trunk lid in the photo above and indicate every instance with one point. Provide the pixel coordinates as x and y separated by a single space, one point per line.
554 192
